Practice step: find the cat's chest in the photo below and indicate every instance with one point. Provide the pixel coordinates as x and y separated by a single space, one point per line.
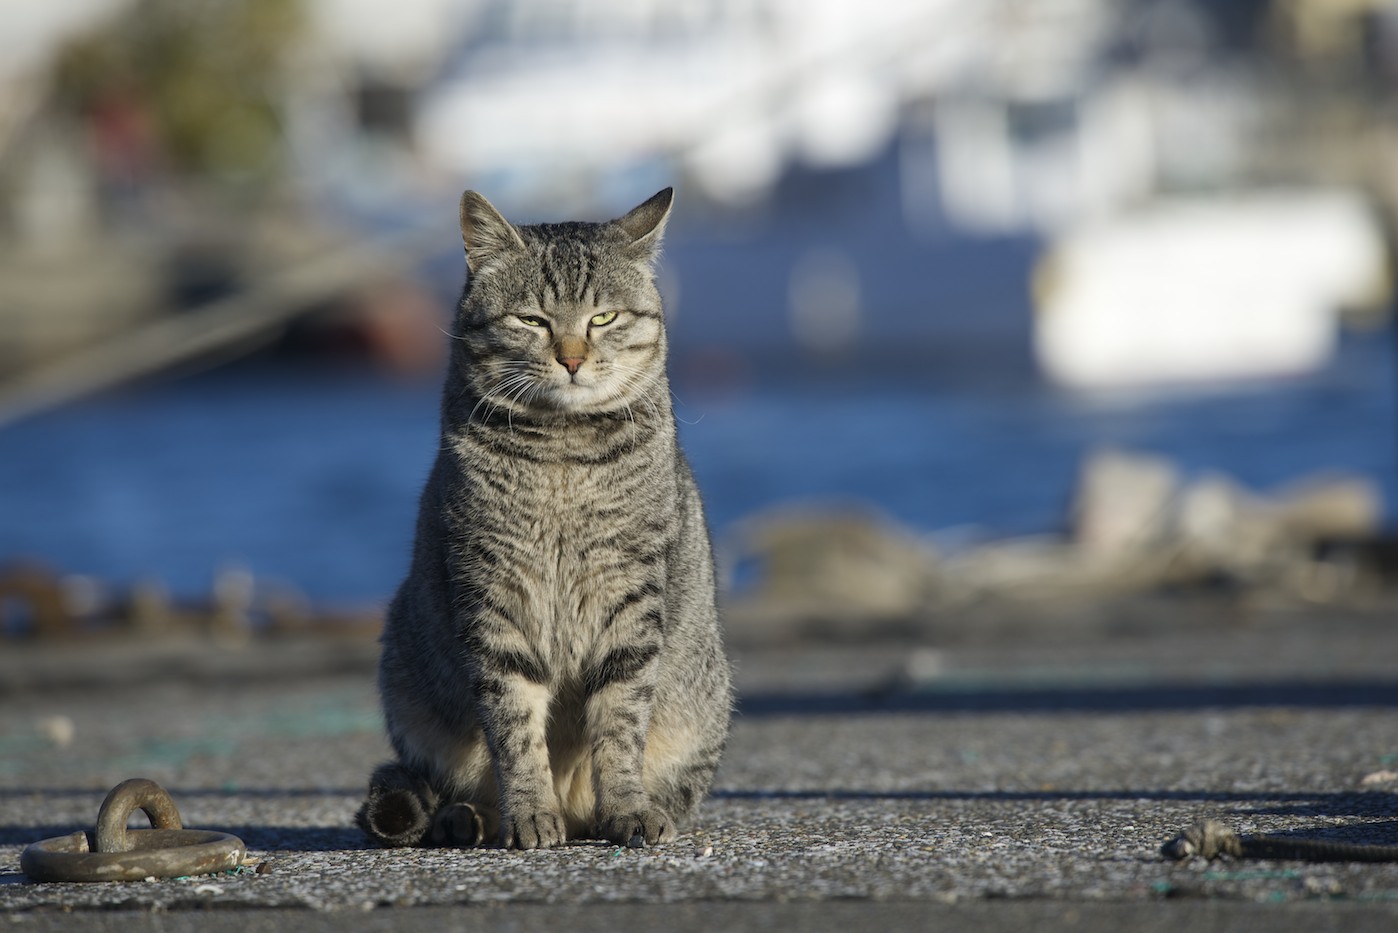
582 537
575 588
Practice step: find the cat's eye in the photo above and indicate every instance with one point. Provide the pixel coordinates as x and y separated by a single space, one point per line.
533 320
606 317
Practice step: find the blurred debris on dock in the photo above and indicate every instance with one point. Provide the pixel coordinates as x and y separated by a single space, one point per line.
1137 528
37 602
71 631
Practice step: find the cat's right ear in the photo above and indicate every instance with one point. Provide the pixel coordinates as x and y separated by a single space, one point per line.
484 232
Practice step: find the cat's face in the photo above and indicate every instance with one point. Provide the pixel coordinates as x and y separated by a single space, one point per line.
580 356
562 317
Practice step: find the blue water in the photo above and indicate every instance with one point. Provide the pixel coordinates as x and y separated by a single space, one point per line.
310 476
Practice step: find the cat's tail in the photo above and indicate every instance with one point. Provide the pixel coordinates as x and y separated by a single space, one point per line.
399 808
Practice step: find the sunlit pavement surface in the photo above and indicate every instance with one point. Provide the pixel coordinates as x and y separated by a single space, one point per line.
989 784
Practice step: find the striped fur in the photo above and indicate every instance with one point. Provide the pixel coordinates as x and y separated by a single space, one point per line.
552 665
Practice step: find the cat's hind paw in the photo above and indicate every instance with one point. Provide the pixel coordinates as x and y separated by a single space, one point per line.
393 817
396 810
634 830
460 825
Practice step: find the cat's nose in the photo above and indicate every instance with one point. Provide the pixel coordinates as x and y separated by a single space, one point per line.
571 351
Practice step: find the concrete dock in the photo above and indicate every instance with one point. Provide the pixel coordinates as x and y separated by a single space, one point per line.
1026 779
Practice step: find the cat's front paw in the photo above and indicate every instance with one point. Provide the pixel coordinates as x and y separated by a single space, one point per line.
641 828
541 829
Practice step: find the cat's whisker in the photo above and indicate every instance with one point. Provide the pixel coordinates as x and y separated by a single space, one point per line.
500 402
677 415
515 372
527 387
471 415
650 405
637 381
533 393
626 386
618 394
635 435
634 380
496 391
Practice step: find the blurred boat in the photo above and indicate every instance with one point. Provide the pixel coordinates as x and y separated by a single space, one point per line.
1188 291
542 106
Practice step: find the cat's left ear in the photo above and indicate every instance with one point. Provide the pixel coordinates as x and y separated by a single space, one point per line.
645 225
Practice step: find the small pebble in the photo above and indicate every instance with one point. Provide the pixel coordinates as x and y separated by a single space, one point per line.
703 851
208 889
58 730
264 867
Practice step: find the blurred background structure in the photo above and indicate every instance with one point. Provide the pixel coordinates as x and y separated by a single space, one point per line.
967 297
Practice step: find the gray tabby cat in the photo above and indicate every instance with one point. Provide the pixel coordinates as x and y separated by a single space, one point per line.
552 665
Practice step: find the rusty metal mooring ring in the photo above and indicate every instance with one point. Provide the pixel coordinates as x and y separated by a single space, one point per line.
114 853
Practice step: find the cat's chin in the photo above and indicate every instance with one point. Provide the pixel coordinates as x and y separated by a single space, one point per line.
579 399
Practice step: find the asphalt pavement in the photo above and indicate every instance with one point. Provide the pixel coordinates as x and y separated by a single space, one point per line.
994 783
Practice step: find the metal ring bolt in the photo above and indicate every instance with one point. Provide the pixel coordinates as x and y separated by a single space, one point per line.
114 853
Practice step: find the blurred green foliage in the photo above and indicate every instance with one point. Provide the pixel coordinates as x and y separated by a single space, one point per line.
203 78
